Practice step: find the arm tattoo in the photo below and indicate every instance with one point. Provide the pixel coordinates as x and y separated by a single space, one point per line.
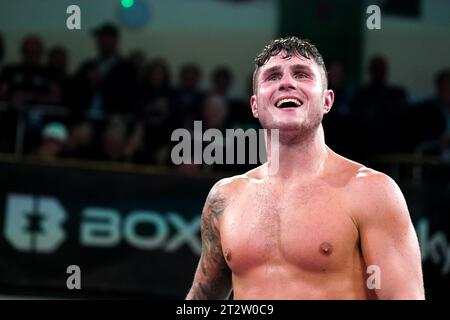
213 276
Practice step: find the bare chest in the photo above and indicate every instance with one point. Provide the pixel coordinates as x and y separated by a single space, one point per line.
307 228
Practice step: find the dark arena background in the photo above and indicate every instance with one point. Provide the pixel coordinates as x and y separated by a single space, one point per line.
91 92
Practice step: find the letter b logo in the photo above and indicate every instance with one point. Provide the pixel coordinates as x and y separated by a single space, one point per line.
34 223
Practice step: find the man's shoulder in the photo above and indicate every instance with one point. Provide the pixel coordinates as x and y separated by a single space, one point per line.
230 186
370 180
372 192
363 182
357 174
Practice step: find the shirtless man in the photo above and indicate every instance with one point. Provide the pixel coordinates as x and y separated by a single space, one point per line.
311 229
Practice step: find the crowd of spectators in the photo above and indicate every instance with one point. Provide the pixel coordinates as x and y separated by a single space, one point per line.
124 108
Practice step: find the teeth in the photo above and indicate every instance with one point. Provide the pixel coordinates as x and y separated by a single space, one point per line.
296 101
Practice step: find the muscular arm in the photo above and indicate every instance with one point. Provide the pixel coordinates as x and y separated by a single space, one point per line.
389 241
212 278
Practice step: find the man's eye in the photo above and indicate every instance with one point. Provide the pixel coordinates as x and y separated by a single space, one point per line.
301 75
273 77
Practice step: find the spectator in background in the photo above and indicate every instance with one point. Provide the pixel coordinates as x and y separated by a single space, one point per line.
337 122
113 139
337 81
154 116
214 113
188 97
54 138
80 142
378 95
116 143
84 93
240 114
29 81
57 62
377 109
137 59
155 91
117 79
221 83
431 118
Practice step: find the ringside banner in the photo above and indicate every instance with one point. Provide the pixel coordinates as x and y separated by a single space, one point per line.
127 232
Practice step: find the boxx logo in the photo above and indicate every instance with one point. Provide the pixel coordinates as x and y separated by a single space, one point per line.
35 224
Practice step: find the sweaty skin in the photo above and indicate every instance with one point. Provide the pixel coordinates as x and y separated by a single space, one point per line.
311 229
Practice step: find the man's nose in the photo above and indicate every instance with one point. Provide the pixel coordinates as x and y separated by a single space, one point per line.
286 83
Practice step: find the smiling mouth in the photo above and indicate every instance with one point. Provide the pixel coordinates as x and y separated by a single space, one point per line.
289 103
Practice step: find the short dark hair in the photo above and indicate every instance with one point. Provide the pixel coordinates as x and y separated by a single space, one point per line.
291 46
222 72
107 29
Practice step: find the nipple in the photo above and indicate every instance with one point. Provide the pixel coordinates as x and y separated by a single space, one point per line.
326 248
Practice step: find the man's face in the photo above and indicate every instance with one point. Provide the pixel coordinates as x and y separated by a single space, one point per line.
290 94
32 50
107 44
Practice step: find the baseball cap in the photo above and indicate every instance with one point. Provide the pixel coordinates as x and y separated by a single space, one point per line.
56 131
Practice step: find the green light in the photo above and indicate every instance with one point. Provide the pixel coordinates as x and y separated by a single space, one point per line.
127 3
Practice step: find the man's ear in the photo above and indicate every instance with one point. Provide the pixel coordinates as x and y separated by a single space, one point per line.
254 106
328 99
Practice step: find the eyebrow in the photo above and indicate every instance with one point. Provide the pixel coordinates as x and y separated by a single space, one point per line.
271 70
293 67
302 67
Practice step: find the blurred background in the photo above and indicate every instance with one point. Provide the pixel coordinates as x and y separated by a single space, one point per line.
86 117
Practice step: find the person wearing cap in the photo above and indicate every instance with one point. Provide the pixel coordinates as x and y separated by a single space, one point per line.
54 137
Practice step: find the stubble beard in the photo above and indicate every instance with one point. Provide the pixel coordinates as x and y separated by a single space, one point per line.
296 132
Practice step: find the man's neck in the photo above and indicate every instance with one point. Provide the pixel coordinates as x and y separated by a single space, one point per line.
300 158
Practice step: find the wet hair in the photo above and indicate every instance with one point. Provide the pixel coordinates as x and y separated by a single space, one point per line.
291 46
